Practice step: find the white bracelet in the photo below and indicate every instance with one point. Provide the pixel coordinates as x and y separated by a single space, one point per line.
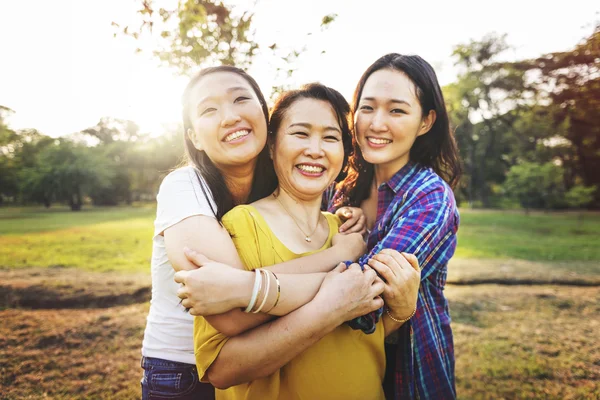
268 286
257 281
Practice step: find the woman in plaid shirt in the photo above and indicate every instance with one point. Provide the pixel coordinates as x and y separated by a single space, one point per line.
404 165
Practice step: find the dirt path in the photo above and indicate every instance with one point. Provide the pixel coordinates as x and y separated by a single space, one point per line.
58 288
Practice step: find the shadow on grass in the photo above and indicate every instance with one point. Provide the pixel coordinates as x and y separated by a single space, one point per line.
43 297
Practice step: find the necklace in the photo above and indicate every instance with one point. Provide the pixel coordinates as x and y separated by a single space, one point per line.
306 237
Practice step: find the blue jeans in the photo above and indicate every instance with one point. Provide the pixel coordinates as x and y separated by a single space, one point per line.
171 380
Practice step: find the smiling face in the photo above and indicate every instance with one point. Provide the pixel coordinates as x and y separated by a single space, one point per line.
308 152
227 119
388 120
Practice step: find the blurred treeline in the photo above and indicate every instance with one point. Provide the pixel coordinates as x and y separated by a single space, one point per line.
528 130
107 164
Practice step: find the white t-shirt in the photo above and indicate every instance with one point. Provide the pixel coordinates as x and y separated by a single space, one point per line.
169 328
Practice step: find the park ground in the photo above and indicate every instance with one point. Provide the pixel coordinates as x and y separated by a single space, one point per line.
524 295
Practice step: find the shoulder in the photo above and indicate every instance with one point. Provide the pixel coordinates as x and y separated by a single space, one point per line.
183 193
428 187
239 219
333 220
181 176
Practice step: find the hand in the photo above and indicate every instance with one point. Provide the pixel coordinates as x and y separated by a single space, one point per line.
214 288
402 277
350 246
348 293
355 221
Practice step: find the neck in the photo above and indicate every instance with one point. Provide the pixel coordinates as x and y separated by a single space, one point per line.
239 181
385 172
306 212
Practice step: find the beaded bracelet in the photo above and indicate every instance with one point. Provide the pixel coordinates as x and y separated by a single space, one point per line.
400 321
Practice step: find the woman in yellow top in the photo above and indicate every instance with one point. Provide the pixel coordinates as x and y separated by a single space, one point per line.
309 353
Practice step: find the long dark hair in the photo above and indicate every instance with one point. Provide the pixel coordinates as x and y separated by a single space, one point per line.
436 149
263 182
315 91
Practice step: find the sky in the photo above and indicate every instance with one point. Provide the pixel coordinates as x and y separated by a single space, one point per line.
61 69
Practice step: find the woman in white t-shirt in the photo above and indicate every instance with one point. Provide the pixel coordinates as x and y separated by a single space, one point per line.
225 120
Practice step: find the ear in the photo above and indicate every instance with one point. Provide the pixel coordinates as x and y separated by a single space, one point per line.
427 123
194 138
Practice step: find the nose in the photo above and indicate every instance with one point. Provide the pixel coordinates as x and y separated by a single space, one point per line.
378 123
314 148
229 117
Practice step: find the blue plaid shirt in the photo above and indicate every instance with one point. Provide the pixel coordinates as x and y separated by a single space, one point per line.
416 213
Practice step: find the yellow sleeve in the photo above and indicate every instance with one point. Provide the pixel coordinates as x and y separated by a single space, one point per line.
208 343
242 225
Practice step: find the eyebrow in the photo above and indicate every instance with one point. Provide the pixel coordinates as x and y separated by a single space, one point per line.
396 101
308 126
229 90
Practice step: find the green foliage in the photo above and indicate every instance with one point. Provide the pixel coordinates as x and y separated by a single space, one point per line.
535 185
580 196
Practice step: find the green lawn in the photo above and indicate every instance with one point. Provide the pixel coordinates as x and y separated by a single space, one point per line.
119 238
100 239
534 237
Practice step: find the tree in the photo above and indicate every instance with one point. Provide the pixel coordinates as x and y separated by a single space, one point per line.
535 185
8 169
484 104
202 33
65 171
570 82
580 196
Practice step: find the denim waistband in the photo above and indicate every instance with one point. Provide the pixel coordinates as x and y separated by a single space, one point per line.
148 362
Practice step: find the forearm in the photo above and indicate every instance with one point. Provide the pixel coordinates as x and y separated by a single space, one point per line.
390 326
262 351
296 290
322 261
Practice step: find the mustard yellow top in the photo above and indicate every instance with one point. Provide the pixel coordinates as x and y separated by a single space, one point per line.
345 364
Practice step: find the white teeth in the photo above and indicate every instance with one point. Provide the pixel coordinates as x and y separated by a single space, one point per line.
236 135
310 168
379 141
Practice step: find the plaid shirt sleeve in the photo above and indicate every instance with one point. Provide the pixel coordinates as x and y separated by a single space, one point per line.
425 358
419 230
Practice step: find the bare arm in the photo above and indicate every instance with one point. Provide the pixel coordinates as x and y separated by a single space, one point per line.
262 351
207 236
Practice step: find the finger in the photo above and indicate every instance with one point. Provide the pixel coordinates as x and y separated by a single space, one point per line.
355 266
181 276
346 225
412 260
195 257
383 270
187 303
397 257
341 267
370 275
182 293
376 289
377 303
390 262
359 225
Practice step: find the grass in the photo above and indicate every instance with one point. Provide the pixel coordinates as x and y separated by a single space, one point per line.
119 239
511 342
534 237
523 342
100 239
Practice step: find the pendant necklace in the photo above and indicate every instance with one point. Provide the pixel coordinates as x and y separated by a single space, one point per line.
306 237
